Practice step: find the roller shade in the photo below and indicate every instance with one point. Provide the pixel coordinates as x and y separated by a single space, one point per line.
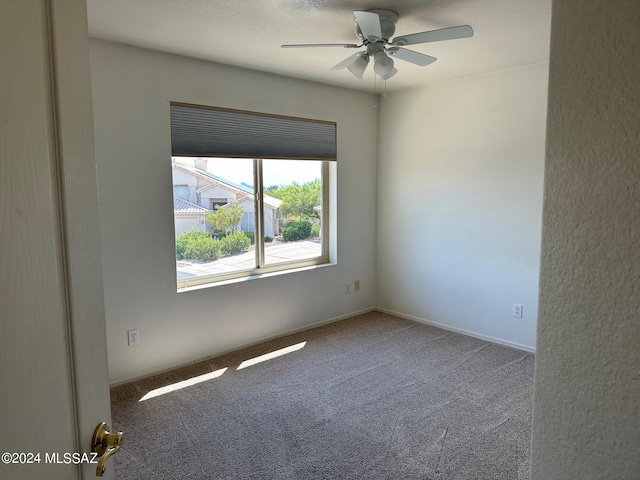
206 131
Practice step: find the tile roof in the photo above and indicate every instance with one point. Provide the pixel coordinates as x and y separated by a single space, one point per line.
237 186
180 205
268 200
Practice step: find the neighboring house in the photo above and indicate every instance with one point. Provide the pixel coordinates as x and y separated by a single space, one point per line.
188 216
197 192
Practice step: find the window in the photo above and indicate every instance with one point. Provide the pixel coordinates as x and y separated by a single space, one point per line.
181 191
217 202
265 212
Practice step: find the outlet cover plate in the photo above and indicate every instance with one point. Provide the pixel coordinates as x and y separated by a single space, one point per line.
133 337
517 311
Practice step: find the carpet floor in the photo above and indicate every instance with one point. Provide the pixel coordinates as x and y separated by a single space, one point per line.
370 397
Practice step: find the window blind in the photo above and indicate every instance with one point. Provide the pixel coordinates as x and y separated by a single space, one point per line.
208 131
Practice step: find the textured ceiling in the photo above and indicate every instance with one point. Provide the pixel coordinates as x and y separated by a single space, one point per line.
248 33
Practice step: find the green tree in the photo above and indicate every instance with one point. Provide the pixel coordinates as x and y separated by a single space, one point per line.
298 200
225 218
274 191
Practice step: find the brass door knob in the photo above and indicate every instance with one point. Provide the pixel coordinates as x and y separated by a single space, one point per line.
105 444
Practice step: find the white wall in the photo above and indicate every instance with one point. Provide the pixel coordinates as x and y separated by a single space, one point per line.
217 192
187 223
132 88
460 174
183 178
587 384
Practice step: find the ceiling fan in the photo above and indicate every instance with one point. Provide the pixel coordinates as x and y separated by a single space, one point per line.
374 28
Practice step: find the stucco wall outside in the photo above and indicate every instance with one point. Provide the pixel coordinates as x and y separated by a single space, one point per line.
187 223
587 393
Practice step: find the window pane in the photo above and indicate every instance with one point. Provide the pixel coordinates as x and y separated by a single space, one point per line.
214 225
292 210
181 191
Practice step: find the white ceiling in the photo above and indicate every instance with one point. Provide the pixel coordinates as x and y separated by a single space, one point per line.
248 33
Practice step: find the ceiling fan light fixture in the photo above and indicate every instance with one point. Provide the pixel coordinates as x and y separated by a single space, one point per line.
383 64
389 75
359 65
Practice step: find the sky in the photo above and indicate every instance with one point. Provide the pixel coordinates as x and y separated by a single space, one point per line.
275 172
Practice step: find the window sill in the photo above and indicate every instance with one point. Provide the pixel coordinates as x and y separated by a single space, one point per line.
254 277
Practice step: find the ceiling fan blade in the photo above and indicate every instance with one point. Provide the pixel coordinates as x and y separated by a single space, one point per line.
346 62
369 23
451 33
306 45
411 56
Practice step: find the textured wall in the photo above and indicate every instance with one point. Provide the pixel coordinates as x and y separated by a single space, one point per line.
587 395
460 172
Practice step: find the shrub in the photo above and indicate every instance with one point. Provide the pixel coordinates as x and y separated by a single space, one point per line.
315 231
252 237
196 245
185 239
234 242
297 231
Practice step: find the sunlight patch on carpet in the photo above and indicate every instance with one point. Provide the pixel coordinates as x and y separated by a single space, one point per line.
271 355
183 384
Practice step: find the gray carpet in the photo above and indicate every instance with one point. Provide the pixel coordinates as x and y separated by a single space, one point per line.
371 397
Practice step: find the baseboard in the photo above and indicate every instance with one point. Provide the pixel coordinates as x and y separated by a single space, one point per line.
500 341
327 321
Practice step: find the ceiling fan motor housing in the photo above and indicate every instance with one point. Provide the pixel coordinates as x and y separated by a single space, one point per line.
388 20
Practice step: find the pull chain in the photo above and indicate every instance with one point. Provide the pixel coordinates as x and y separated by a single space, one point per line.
375 102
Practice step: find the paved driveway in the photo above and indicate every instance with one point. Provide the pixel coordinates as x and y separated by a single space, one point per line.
274 253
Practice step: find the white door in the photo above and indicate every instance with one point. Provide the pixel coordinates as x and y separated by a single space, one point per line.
53 368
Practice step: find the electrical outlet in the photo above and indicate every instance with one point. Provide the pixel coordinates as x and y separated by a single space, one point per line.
356 286
347 287
134 339
517 311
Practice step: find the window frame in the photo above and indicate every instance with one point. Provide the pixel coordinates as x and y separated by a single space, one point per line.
260 267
